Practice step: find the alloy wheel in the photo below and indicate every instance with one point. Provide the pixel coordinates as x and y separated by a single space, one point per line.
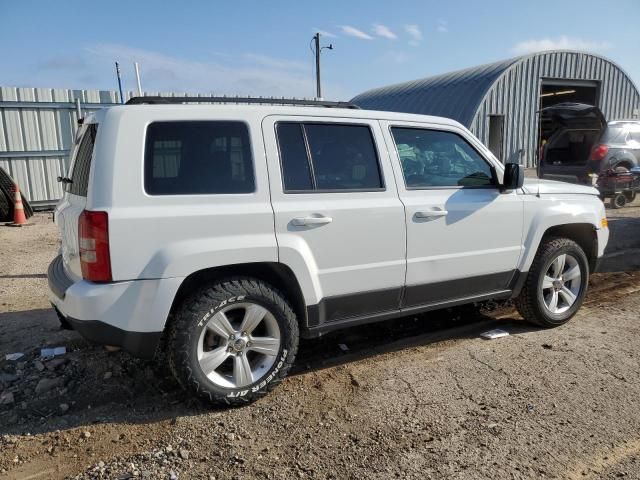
562 283
238 345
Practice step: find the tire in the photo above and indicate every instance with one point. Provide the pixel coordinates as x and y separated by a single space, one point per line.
210 355
535 302
619 200
630 196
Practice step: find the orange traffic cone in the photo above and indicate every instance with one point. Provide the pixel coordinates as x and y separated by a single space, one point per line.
19 218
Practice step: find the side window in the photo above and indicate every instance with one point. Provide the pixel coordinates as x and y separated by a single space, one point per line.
183 158
296 173
82 163
324 156
435 158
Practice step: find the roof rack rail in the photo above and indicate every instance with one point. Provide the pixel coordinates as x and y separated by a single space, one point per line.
156 100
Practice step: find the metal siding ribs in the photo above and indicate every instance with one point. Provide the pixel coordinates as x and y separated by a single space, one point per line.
509 88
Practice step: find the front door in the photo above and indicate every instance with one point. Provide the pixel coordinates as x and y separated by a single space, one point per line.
337 213
464 236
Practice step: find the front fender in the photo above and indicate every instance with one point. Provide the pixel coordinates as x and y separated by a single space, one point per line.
545 212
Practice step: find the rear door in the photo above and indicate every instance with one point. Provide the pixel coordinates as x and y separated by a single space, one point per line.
75 199
337 212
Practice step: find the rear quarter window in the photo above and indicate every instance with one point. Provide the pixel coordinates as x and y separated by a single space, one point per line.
82 162
196 157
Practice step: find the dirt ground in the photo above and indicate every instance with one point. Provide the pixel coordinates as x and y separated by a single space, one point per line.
421 397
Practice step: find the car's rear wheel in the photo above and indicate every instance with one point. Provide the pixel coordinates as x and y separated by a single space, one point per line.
556 284
233 341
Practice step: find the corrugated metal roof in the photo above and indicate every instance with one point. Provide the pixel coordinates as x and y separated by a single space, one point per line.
510 88
455 95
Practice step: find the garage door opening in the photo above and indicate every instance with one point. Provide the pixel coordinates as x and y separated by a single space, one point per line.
555 91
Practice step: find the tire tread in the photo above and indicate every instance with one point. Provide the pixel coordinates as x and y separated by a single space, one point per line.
527 302
181 331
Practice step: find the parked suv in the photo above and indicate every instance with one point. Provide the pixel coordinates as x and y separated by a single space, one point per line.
581 143
222 233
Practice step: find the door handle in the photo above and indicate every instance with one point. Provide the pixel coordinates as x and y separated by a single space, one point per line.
306 221
431 213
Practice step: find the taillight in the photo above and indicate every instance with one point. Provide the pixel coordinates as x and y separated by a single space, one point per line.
599 152
93 240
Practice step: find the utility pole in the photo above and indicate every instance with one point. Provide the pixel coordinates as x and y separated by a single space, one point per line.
119 82
318 49
316 38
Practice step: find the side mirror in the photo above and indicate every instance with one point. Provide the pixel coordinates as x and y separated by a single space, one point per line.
513 176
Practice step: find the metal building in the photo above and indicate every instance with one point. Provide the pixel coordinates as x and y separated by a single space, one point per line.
499 102
37 130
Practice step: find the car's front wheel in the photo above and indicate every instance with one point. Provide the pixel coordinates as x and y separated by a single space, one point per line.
233 341
556 284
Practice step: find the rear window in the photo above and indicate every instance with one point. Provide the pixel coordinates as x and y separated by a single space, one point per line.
190 158
327 157
613 135
82 164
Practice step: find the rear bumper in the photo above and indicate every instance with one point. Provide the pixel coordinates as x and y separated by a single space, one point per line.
139 344
130 314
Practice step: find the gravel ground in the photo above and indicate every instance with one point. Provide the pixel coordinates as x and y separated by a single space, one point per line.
422 397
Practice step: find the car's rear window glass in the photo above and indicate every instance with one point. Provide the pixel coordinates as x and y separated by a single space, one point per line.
194 157
613 135
82 162
296 172
634 136
327 157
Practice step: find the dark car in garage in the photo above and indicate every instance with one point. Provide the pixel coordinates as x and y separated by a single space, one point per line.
581 143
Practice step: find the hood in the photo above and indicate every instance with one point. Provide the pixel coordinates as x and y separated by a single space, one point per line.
533 186
574 116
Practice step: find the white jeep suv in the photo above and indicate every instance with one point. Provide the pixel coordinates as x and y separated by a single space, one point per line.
221 233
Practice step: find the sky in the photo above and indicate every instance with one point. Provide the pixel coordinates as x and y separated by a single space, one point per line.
239 47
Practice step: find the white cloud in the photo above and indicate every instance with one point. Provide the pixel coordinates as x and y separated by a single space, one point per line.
560 43
415 33
250 74
354 32
383 31
324 33
443 26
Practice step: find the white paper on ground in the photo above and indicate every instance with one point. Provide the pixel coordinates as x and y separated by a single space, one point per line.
12 357
493 334
52 352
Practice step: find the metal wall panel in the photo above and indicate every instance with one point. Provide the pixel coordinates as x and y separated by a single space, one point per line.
510 88
515 95
35 138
